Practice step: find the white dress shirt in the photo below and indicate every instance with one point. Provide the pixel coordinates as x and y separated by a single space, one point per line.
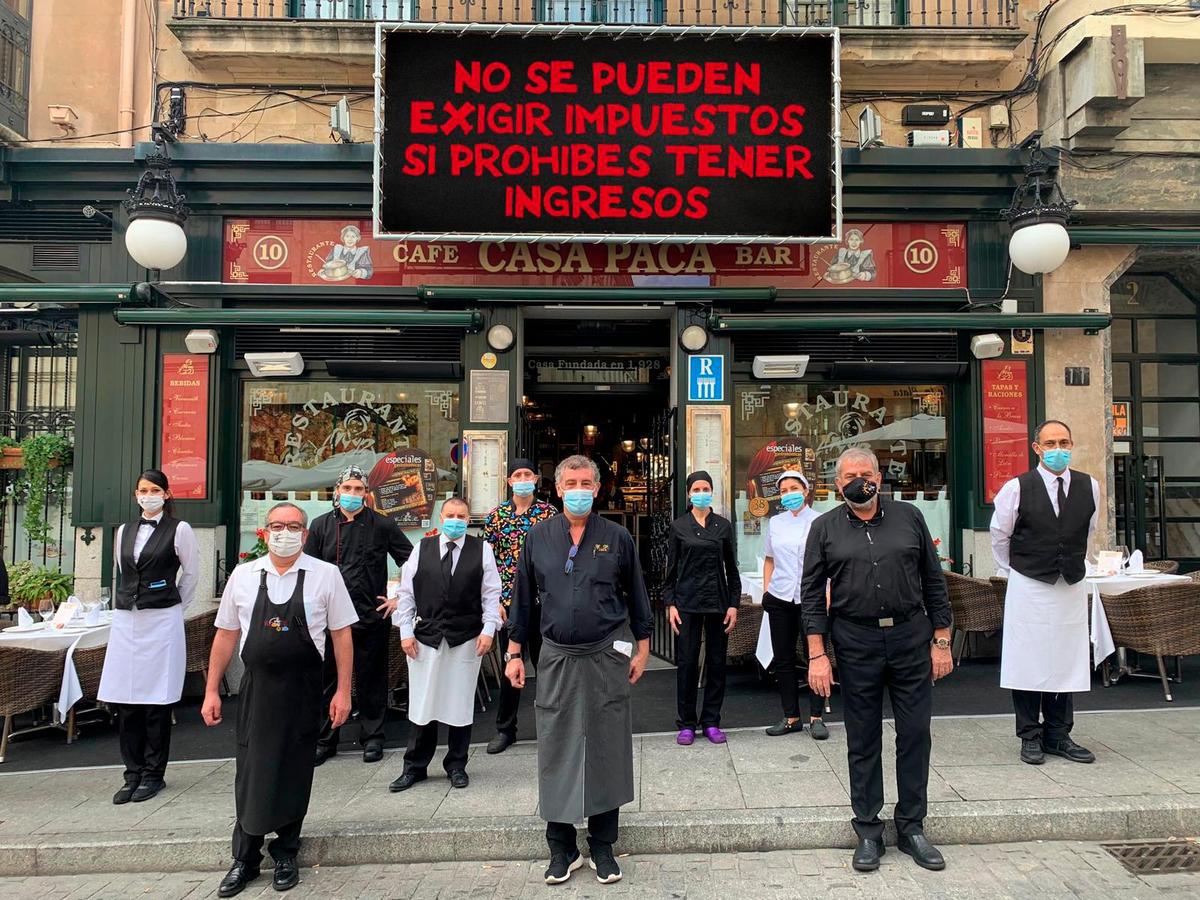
406 611
327 603
1008 502
187 551
787 534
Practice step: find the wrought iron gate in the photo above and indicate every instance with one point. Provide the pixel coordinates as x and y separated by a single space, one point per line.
660 495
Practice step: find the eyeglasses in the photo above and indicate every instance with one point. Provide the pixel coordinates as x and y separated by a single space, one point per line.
570 566
280 527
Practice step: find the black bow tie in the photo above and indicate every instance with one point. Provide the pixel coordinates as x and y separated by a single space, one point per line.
150 523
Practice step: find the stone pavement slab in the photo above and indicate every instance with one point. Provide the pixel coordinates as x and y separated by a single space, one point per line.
756 793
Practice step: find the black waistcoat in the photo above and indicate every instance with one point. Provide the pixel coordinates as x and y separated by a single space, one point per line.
149 583
1045 546
452 611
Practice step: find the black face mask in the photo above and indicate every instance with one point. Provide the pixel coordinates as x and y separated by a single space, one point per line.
860 490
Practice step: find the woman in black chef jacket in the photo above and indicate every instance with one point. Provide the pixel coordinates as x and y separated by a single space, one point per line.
158 562
702 590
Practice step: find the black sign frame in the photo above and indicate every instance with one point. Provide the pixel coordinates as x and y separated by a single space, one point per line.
405 219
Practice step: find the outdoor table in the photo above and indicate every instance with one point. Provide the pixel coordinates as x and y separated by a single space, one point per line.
1110 586
71 638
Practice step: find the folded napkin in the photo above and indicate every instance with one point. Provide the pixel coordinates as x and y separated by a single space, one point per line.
1135 563
23 616
92 617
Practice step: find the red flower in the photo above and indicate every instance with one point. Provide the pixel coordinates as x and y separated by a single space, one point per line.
243 555
261 534
432 532
937 542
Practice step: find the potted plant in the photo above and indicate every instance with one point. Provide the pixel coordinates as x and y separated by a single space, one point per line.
28 583
40 453
10 453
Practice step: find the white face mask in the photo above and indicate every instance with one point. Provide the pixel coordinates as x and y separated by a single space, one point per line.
284 543
151 503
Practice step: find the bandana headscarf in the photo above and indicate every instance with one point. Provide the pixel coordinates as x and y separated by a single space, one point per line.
352 471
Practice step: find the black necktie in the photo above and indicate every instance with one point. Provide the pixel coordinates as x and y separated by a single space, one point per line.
448 562
1062 497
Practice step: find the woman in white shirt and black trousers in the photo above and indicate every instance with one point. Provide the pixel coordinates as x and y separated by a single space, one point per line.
787 532
158 565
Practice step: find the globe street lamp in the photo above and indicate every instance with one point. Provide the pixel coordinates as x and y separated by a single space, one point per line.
155 237
1038 218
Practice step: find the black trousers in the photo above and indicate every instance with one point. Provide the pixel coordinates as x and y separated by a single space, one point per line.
422 744
247 848
784 621
871 659
1057 715
144 732
510 697
693 626
370 682
561 837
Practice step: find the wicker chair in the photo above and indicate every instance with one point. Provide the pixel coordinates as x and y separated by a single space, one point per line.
976 608
198 634
1166 566
28 679
89 666
744 639
397 669
1159 621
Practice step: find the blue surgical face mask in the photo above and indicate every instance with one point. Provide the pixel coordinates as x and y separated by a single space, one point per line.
350 502
1056 460
523 488
454 528
578 503
793 501
701 499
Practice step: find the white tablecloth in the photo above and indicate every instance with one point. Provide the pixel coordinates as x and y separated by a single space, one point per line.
1110 586
752 586
52 639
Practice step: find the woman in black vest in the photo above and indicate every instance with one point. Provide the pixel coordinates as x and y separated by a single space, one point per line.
703 590
158 566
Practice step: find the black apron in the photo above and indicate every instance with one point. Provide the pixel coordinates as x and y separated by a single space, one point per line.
279 714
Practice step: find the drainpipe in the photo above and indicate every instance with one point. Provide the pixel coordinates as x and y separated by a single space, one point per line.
125 111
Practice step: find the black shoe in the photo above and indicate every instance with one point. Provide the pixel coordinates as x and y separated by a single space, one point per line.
236 879
866 855
459 778
287 874
924 854
1031 752
604 864
784 727
373 752
1064 747
324 752
501 742
405 781
818 730
561 867
125 794
147 789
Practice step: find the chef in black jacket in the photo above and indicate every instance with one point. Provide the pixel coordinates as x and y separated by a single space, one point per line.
702 589
889 615
359 540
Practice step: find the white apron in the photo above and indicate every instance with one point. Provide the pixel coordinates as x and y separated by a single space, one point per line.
146 657
1046 645
441 684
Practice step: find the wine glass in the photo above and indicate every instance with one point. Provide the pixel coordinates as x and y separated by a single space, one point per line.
105 598
46 610
1124 551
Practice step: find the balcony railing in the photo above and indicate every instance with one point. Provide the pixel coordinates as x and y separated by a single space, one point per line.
844 13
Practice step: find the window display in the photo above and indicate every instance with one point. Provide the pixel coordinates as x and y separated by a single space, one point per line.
807 426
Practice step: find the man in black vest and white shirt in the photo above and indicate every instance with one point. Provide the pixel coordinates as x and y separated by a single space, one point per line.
1040 532
448 613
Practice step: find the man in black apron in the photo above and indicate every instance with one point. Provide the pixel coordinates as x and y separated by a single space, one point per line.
279 607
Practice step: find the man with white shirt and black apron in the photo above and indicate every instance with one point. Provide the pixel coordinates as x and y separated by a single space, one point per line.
279 608
448 613
1040 530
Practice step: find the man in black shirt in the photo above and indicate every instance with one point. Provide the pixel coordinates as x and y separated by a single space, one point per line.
585 570
888 600
359 540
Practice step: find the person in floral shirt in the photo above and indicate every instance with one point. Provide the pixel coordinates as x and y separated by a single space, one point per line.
505 529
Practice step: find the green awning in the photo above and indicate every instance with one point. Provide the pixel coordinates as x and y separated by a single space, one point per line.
109 294
597 295
471 320
967 321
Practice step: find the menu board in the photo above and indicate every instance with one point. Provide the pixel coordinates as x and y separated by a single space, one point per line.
489 396
184 449
775 458
1005 423
485 458
404 486
708 449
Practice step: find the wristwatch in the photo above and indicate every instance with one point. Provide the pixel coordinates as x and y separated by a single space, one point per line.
941 643
509 657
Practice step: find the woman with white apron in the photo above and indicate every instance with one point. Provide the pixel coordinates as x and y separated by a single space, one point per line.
787 532
158 566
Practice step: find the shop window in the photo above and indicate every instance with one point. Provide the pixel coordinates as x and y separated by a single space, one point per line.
1171 420
298 436
1166 336
609 12
1167 380
781 426
1121 386
1122 336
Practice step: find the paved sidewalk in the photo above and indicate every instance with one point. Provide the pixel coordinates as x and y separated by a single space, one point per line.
1081 871
755 793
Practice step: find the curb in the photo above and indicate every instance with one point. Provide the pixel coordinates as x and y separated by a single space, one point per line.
705 831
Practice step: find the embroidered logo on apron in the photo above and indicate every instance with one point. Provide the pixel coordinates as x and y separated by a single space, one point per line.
276 623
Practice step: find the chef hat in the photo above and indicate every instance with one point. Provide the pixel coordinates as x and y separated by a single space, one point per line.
700 475
793 473
352 471
521 463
